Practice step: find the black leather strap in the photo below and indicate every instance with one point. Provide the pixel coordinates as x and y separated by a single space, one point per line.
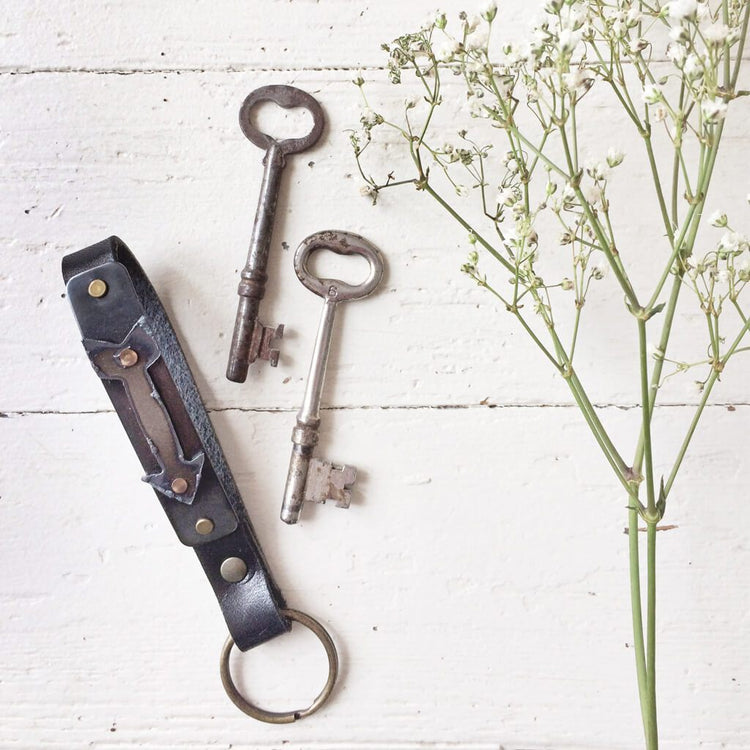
135 351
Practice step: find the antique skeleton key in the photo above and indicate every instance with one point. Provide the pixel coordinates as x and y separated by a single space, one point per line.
310 478
252 340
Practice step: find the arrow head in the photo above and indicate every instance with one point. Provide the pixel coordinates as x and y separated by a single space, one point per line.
178 481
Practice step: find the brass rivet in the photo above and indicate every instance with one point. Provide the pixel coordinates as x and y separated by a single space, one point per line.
128 357
179 486
97 288
204 526
233 569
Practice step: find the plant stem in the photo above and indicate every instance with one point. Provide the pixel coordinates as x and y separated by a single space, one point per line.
652 736
637 613
648 707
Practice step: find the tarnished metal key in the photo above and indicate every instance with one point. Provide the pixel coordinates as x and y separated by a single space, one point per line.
251 339
310 478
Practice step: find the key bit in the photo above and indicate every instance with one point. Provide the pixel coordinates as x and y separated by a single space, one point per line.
327 481
261 344
253 277
310 478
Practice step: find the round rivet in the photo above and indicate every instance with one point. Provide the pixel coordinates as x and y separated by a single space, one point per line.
204 526
97 288
128 357
179 486
233 569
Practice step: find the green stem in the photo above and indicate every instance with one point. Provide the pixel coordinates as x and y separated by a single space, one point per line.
713 377
646 413
637 613
465 224
652 733
659 192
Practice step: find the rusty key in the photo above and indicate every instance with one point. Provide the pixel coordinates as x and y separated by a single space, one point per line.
252 340
310 478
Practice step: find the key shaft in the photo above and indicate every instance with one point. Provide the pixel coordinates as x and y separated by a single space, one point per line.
305 434
253 277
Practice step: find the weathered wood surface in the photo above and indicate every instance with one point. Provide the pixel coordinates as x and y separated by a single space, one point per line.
477 587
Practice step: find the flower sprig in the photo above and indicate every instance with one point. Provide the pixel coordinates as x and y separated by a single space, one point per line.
672 68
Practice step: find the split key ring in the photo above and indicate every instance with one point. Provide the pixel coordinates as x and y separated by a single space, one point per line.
283 717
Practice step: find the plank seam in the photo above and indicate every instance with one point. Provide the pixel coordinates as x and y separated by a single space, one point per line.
9 414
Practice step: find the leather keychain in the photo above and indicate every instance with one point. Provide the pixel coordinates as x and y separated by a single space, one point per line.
134 350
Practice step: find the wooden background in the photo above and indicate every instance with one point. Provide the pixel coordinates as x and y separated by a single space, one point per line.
477 588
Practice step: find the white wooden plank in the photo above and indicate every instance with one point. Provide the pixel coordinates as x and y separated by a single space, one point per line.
477 589
219 35
160 161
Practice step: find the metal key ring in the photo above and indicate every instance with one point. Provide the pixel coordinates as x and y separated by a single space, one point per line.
341 243
287 97
283 717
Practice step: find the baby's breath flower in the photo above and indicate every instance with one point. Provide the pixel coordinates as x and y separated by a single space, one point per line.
722 276
505 197
593 194
681 9
614 156
477 40
599 269
567 41
654 351
446 49
489 10
718 219
597 170
714 109
679 34
633 17
462 191
677 53
716 34
470 23
578 81
651 94
733 242
439 20
368 191
474 104
566 284
370 118
693 67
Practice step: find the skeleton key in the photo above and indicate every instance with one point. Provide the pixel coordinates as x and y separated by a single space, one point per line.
251 339
310 478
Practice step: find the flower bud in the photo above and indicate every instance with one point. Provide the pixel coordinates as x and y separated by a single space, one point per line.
614 157
489 11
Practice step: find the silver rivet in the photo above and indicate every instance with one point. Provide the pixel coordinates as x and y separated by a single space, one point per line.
179 486
233 569
97 288
204 526
128 357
